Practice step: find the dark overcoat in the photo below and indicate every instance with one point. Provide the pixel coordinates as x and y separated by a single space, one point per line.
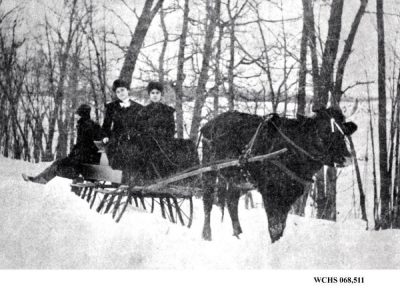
162 155
120 126
85 151
157 120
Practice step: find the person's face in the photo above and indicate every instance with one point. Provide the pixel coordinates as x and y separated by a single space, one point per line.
155 95
122 93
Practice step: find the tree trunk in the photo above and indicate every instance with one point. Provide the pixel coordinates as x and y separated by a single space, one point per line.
359 182
37 141
324 84
180 77
330 52
17 147
217 73
231 91
396 159
62 144
285 63
61 151
313 46
145 19
6 140
301 94
161 58
3 120
337 91
27 121
383 162
213 15
267 68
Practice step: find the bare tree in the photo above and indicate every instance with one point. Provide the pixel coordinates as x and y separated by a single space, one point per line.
180 76
144 21
63 55
234 12
330 53
301 94
337 89
217 71
35 102
213 15
324 80
97 56
382 135
161 58
12 73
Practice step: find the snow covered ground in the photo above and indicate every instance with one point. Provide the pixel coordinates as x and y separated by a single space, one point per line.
47 227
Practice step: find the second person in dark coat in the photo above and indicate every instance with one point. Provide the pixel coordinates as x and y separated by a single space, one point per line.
156 119
162 154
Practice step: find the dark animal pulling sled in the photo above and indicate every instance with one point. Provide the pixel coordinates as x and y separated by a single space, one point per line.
101 187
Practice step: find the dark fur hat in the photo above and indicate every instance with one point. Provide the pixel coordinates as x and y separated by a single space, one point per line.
155 85
119 83
83 109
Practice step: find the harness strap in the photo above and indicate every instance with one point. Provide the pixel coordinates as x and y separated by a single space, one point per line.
243 158
290 173
295 145
253 139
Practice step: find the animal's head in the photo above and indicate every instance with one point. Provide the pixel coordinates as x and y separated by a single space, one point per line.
330 136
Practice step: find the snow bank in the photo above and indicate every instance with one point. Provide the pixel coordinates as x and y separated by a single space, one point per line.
48 227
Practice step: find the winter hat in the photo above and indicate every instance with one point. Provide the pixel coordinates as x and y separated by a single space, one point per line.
83 110
119 83
155 85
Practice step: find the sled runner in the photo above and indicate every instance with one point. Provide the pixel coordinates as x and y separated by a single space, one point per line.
102 188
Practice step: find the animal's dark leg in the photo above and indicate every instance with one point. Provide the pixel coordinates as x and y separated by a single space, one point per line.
208 199
277 215
233 195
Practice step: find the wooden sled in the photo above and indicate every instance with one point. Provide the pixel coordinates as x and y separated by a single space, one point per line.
101 187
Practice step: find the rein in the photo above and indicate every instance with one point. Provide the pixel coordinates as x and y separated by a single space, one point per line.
285 137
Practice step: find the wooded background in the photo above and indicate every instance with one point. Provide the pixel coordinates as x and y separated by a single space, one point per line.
55 55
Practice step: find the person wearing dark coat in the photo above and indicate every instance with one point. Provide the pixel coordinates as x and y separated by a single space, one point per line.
120 127
162 154
157 119
84 151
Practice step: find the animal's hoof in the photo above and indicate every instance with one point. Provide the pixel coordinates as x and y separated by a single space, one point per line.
237 230
275 237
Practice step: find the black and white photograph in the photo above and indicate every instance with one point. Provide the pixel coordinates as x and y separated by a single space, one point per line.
204 135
